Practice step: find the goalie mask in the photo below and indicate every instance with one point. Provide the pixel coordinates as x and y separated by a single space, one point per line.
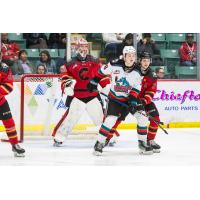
82 49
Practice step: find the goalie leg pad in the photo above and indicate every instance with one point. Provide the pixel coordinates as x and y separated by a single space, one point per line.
75 111
95 111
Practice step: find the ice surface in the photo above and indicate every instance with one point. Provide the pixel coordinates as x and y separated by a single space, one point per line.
180 148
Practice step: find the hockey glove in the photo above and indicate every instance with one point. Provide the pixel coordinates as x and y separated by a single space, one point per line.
135 105
140 105
4 68
92 85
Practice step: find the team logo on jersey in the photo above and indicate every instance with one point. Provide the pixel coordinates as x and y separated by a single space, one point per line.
83 74
122 85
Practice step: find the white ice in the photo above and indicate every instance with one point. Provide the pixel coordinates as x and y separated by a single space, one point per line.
180 148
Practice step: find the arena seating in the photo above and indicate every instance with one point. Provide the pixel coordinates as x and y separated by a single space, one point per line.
185 72
17 38
168 43
160 39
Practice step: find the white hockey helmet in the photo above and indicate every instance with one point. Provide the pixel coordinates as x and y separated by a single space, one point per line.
128 49
82 48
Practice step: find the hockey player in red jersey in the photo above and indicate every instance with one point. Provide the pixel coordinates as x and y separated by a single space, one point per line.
148 90
6 86
74 83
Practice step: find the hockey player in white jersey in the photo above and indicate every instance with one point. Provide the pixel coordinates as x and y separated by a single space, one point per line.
125 87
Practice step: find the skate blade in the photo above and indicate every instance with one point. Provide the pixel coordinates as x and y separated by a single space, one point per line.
97 153
156 150
19 155
142 152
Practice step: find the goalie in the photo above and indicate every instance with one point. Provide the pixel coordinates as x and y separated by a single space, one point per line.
80 71
6 86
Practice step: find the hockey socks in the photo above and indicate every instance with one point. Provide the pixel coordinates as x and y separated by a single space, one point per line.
11 130
152 130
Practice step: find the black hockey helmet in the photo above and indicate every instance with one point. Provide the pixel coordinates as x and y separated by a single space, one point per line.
145 55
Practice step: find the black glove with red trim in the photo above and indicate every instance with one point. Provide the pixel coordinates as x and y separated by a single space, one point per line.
92 85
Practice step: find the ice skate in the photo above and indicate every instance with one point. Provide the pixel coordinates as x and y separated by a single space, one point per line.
98 148
18 151
144 148
156 147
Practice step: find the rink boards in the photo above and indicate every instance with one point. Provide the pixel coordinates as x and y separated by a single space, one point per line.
178 103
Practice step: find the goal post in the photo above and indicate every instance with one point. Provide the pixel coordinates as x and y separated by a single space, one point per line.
42 105
34 84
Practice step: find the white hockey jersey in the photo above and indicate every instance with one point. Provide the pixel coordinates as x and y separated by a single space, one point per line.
122 83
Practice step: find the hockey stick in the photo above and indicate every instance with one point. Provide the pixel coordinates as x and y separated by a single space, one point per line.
155 121
150 117
146 115
125 105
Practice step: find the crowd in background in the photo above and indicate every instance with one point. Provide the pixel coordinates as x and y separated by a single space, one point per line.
19 62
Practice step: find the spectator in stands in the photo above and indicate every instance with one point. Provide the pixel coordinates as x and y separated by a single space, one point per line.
112 41
148 45
23 65
62 69
9 50
46 60
35 40
160 73
57 41
59 63
188 51
128 41
41 69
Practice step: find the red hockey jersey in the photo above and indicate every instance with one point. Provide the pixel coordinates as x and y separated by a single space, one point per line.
6 82
83 72
149 87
